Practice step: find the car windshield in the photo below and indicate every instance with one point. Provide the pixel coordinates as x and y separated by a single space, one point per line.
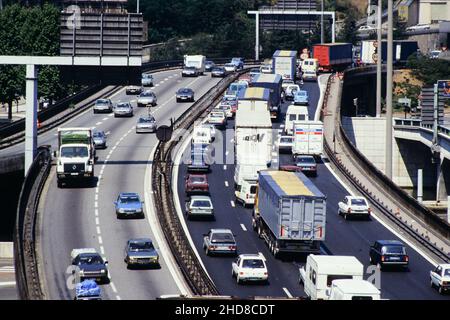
122 105
394 250
253 263
201 203
129 199
146 76
146 94
217 69
98 134
90 260
359 202
184 91
217 114
197 179
301 93
222 237
286 139
74 152
141 246
146 120
305 160
189 68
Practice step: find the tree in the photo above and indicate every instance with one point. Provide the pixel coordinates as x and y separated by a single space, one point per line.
427 70
349 30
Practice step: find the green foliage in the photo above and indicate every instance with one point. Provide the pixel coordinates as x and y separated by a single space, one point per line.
349 30
409 91
429 70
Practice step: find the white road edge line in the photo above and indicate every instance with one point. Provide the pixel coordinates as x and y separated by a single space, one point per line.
113 287
288 293
152 220
7 284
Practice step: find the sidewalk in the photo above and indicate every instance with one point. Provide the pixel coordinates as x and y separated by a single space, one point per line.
330 128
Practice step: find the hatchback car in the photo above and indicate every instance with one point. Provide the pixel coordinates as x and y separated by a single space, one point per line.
141 253
147 98
285 144
307 164
133 90
219 241
146 124
199 207
250 267
286 83
185 94
386 253
147 80
218 72
301 97
103 105
196 184
232 101
123 109
238 62
266 68
217 118
440 278
354 207
99 138
129 205
230 67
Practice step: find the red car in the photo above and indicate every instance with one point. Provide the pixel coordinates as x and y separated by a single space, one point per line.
196 183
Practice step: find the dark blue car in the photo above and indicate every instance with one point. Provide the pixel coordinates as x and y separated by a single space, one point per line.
129 205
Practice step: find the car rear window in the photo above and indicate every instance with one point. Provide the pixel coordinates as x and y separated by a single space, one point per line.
332 277
359 202
146 120
129 199
253 263
224 237
201 203
197 179
122 105
305 160
393 250
286 139
91 260
101 102
253 190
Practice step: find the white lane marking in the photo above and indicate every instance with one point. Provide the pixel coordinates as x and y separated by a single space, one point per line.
107 132
96 212
98 230
165 79
118 297
110 115
226 153
396 233
97 221
7 284
99 177
243 227
224 167
98 123
102 250
288 293
96 204
96 190
226 183
275 160
232 203
281 125
96 197
100 240
157 85
113 287
104 119
274 153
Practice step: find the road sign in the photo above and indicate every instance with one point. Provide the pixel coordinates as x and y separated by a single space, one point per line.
445 85
405 101
164 133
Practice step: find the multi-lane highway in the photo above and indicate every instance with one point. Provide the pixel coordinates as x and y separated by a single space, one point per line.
342 237
80 217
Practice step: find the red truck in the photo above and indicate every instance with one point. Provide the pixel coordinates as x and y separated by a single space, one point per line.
333 56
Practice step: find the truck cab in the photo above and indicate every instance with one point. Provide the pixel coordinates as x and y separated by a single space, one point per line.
75 155
309 69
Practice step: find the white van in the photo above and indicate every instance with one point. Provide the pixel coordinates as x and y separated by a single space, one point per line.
348 289
309 69
320 271
197 61
203 133
295 113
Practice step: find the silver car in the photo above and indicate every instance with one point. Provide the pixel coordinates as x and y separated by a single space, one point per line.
307 164
123 109
219 241
185 94
133 90
230 67
99 139
147 80
200 207
147 98
103 105
146 124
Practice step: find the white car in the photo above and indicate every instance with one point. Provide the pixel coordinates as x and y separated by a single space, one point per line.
290 91
217 118
227 109
366 28
250 267
286 83
418 27
230 67
267 68
354 206
285 143
440 278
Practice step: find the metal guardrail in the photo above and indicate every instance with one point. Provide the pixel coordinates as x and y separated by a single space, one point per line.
25 259
196 277
417 124
389 187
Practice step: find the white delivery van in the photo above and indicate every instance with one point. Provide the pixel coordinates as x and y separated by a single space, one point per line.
295 113
307 138
349 289
246 181
309 69
202 134
320 271
197 61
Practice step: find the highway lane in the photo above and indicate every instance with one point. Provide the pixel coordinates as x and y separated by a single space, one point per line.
342 237
84 217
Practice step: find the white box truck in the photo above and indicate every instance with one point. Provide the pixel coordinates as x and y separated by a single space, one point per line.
75 155
284 63
320 271
289 212
197 61
308 138
350 289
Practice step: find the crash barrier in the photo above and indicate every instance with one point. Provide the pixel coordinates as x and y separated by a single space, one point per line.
24 238
13 133
388 189
196 277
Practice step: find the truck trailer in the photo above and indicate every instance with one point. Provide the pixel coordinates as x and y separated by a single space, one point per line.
308 138
273 83
402 49
284 63
197 61
256 99
75 155
333 56
289 212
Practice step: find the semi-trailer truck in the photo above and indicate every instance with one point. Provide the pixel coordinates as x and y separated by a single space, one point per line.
402 49
289 212
256 99
284 63
273 83
333 56
75 155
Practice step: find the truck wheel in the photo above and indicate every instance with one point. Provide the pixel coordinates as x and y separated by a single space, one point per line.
60 184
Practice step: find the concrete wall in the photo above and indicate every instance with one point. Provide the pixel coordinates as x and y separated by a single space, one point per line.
6 250
426 9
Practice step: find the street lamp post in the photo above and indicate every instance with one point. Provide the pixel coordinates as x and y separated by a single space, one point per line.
389 69
378 98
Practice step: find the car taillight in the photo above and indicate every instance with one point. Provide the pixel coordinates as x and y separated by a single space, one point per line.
241 273
246 196
265 273
212 247
406 259
369 210
232 247
383 258
349 210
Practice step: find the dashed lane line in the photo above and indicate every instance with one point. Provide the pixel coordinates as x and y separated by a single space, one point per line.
243 227
288 293
232 203
226 183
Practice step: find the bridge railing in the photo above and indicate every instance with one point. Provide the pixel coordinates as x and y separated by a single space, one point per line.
417 124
